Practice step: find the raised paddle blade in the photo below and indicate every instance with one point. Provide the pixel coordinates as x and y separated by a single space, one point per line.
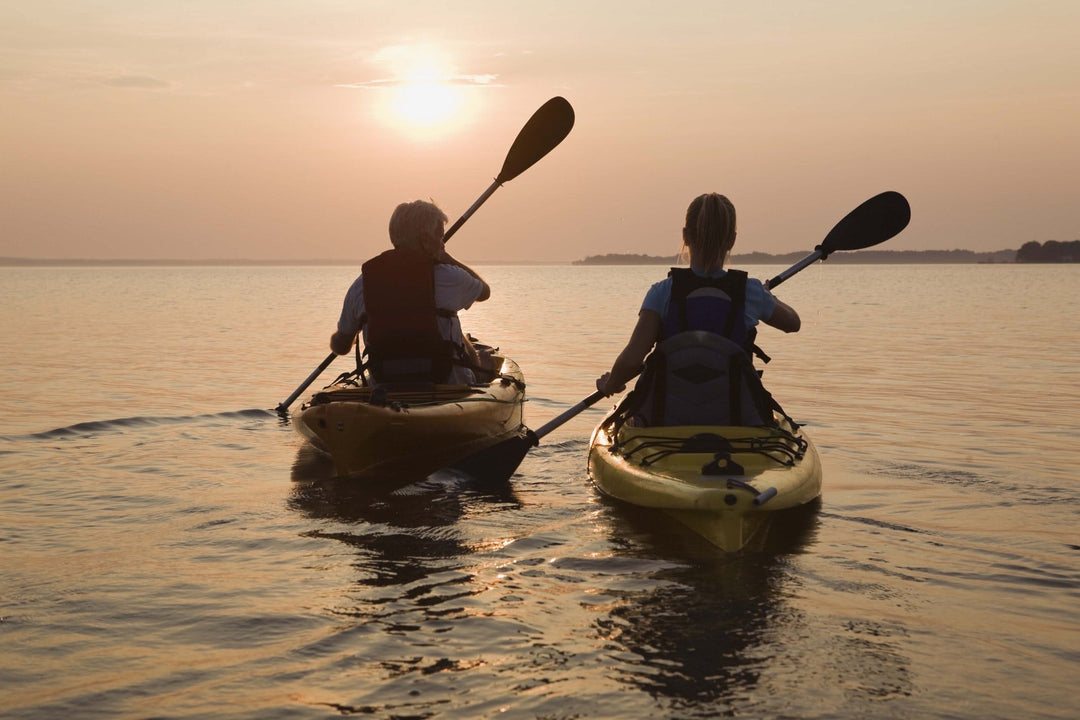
544 130
548 126
872 223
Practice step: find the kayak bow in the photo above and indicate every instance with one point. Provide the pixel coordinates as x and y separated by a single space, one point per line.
724 483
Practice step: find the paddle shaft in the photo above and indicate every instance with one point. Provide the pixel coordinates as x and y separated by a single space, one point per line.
468 213
304 385
797 267
568 414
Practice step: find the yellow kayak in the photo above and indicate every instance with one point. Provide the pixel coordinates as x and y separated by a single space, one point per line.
409 432
724 483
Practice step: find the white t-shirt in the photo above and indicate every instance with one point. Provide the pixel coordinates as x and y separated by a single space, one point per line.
455 289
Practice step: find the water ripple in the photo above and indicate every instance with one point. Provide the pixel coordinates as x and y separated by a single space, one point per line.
96 427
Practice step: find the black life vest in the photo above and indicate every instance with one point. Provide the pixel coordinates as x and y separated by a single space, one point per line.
716 305
700 372
402 337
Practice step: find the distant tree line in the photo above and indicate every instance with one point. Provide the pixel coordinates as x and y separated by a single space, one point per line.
863 256
627 259
1050 251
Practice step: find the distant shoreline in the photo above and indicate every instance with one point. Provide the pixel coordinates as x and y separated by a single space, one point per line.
868 257
239 262
865 257
1030 253
1051 251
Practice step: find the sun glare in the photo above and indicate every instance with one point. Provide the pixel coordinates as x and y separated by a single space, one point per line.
427 103
426 99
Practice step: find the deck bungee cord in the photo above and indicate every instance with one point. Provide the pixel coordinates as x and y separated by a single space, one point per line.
781 446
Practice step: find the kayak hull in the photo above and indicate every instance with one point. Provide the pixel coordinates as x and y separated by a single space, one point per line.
408 433
724 483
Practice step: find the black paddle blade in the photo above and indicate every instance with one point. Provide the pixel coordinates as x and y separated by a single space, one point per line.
498 463
875 221
544 130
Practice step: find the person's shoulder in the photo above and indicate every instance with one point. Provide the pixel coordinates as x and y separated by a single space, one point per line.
657 296
660 284
659 288
443 271
357 284
458 277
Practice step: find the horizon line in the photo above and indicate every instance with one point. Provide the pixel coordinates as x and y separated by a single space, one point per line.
12 261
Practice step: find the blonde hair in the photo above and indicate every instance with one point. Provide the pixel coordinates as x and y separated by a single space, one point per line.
412 219
710 229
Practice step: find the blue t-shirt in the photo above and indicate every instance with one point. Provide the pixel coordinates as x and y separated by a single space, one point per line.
760 303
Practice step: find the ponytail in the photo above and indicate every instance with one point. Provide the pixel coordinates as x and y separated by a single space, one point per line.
710 229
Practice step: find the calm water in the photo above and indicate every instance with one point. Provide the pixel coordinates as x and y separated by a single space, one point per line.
169 548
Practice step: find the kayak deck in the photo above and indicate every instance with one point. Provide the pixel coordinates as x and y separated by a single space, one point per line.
407 432
724 483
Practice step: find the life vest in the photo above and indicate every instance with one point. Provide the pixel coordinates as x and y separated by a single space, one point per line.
402 337
716 305
701 372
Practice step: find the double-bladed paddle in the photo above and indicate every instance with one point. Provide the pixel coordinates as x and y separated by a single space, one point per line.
872 223
547 127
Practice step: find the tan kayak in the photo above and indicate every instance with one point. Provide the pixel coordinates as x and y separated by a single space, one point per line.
724 483
406 433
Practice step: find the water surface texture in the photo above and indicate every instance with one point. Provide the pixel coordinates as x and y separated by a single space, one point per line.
170 548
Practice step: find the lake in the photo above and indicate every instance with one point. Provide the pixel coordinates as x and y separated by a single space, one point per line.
171 548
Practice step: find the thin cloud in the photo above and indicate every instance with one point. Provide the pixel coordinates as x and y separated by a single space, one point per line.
462 80
136 81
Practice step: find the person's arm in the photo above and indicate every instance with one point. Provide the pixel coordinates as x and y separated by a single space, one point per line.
628 364
784 318
448 259
348 326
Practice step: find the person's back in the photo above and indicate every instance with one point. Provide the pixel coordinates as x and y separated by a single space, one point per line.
700 324
700 372
401 329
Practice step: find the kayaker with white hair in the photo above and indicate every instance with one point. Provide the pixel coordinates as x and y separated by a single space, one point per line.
406 302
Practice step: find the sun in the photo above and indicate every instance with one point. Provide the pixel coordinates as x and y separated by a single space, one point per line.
427 103
426 97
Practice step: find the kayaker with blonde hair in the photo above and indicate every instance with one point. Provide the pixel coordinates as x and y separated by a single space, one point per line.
704 297
406 302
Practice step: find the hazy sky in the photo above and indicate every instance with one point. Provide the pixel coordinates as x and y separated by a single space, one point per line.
271 129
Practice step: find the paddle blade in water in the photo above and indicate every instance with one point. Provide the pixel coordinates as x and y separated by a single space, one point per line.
545 129
875 221
497 463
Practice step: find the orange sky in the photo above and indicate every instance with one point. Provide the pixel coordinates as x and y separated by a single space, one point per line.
223 129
